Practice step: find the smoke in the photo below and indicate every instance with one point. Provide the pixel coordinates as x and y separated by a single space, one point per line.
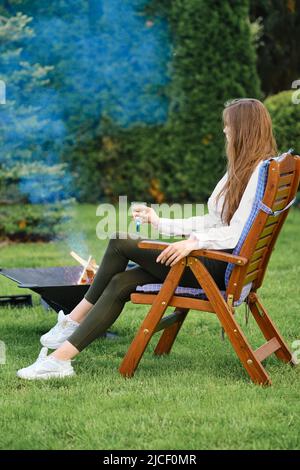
78 243
101 58
113 61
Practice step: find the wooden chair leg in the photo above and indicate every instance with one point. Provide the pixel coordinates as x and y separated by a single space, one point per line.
268 328
148 327
247 356
169 335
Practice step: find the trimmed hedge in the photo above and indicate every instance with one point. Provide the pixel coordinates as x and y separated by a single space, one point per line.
214 61
32 222
199 57
286 119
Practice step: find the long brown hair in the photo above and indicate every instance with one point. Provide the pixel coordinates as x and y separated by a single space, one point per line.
250 141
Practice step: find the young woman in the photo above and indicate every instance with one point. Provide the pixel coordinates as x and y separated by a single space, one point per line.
249 140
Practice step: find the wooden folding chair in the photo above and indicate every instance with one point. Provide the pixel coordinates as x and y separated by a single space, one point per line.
277 186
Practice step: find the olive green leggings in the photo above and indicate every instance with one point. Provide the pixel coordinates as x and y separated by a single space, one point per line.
113 284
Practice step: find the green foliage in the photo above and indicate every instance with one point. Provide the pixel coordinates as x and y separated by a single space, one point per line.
214 62
29 222
278 47
24 177
123 162
182 159
176 159
286 119
20 119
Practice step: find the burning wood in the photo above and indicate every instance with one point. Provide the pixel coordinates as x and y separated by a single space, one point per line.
89 268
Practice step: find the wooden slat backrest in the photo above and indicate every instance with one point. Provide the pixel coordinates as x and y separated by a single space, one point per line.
282 185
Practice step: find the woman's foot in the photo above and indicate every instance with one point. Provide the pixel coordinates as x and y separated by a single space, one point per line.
63 329
46 367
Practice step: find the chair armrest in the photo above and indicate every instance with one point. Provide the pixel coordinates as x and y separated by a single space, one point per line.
213 254
153 245
220 255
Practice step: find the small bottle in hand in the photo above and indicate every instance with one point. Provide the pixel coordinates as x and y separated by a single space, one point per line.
138 219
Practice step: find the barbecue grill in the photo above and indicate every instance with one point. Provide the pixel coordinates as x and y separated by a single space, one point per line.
57 286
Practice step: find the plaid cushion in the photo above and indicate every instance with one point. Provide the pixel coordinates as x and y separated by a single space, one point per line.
260 190
192 292
257 206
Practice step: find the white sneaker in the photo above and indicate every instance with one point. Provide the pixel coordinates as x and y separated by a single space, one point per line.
63 329
46 367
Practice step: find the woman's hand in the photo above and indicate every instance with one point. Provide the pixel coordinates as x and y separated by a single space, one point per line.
146 214
176 251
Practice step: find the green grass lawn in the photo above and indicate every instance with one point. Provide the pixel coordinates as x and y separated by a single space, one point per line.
199 397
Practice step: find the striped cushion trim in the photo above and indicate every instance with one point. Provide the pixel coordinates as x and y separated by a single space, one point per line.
192 292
